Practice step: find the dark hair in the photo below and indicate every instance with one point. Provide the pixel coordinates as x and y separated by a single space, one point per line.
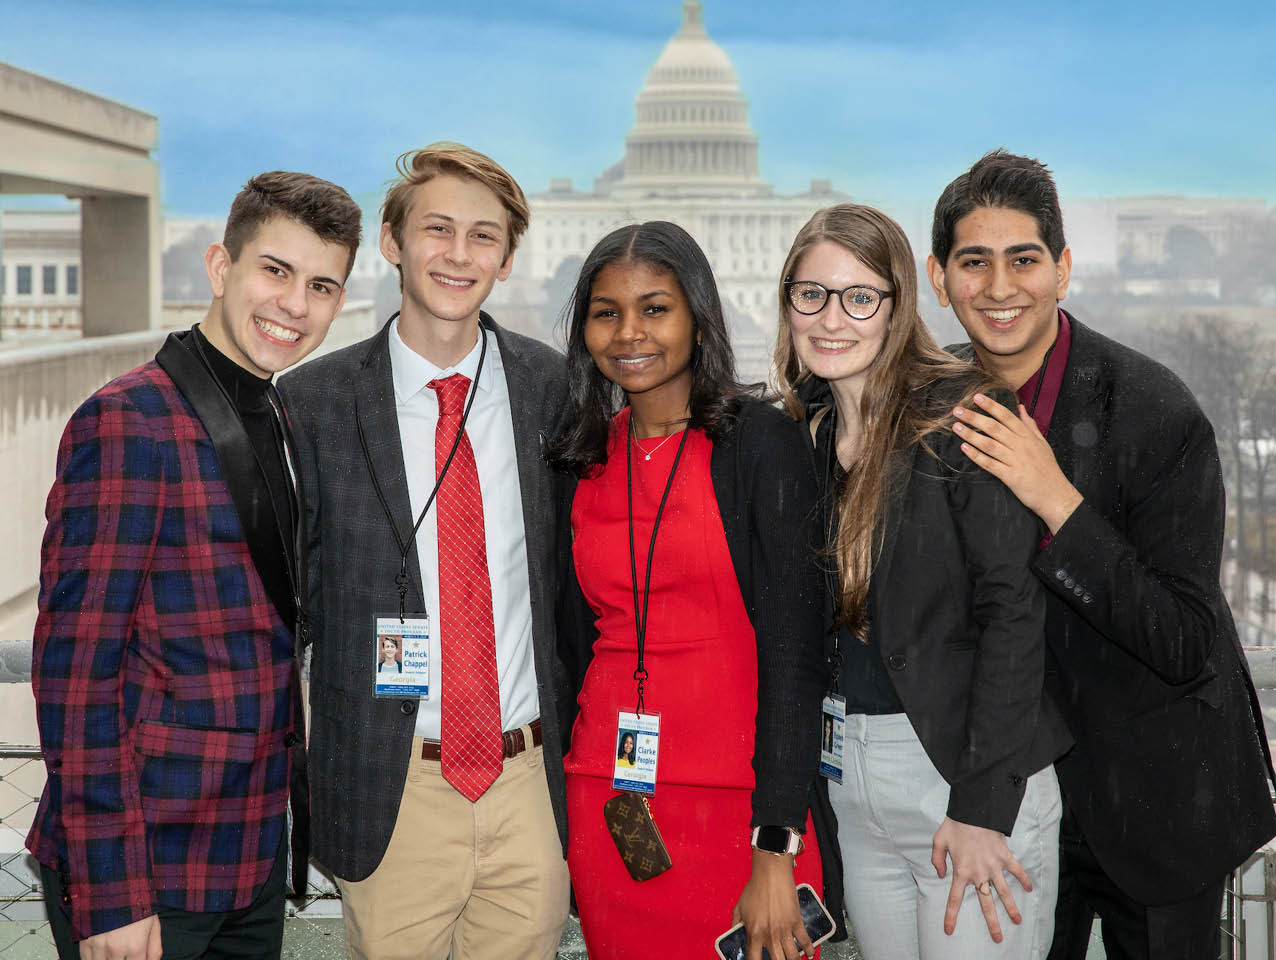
620 744
715 392
1000 179
319 205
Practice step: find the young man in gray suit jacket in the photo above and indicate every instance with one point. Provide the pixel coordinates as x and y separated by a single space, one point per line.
437 788
1166 789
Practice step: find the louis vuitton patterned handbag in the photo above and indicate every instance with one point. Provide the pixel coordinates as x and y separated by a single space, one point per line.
629 821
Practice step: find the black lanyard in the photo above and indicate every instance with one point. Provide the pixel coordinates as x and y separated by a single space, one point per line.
401 579
833 509
640 614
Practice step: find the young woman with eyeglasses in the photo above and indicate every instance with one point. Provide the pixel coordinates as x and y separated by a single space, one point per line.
947 805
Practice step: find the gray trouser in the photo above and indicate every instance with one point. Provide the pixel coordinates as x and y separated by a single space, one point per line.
891 802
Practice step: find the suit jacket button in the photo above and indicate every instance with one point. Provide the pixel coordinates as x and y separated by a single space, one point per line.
1017 780
1069 583
407 707
896 661
1088 598
1060 574
290 739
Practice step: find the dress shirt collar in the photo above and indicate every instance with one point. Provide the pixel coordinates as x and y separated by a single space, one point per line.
412 371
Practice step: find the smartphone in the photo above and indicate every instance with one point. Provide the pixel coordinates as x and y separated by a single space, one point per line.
734 944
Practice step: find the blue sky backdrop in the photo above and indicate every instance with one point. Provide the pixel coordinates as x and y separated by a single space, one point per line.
889 101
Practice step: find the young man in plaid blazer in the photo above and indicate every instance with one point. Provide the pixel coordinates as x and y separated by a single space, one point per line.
163 665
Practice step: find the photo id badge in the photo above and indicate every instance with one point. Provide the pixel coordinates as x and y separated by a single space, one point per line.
832 732
637 744
401 657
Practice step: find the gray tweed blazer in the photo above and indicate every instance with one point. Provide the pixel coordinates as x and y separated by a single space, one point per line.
359 745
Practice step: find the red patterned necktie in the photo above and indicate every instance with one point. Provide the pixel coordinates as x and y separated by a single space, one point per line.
471 708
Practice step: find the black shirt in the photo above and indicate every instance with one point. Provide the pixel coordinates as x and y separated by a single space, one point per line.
862 679
272 522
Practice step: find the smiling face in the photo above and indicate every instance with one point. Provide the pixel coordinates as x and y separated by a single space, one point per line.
832 344
274 304
627 746
640 333
1004 287
389 650
453 250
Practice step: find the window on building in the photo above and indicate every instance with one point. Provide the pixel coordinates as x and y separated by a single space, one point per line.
49 278
72 280
24 281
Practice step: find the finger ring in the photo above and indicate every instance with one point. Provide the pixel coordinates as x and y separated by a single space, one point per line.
984 889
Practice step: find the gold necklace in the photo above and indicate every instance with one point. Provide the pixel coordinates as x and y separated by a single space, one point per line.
646 454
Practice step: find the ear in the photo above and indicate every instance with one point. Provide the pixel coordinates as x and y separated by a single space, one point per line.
506 268
935 271
389 246
1063 273
216 262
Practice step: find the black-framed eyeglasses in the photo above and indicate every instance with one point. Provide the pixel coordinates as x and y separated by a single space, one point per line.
860 301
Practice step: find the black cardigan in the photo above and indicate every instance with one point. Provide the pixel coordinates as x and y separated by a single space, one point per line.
766 496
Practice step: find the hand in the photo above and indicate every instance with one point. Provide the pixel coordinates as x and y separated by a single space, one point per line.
1013 450
980 857
137 941
768 906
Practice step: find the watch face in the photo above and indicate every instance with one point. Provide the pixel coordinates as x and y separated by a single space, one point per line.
773 839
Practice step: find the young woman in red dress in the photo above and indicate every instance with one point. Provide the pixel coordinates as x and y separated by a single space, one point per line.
732 645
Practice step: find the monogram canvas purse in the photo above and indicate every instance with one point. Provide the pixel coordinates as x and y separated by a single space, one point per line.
629 821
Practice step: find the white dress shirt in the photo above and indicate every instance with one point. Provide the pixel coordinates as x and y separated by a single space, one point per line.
491 432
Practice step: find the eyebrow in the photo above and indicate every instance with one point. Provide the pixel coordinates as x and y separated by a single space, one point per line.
490 224
645 296
1010 251
289 267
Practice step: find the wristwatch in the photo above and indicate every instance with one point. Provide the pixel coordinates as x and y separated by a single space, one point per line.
777 840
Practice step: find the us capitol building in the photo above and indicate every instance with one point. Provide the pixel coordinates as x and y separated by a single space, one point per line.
692 158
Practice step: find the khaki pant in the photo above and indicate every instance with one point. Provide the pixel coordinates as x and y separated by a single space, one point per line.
474 881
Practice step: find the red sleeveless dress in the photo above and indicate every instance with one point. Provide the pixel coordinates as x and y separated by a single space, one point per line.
702 659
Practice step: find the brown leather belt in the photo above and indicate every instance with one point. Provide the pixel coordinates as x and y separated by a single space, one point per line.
512 742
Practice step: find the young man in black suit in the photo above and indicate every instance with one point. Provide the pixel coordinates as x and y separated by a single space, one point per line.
1166 790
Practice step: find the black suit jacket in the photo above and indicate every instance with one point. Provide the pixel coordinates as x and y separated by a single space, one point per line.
958 619
360 745
1169 775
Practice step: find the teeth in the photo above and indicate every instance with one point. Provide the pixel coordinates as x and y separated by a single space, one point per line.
448 281
1003 315
833 344
633 360
276 331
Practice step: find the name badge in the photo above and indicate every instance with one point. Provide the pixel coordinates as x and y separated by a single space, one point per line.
637 746
833 713
401 657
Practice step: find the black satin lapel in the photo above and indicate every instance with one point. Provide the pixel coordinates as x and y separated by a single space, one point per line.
378 415
240 468
901 475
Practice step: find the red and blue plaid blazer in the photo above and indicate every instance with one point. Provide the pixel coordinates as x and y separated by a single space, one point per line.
163 674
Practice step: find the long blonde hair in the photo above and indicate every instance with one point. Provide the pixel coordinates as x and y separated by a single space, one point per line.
893 408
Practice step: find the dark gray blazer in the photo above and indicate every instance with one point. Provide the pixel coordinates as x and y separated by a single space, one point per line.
359 745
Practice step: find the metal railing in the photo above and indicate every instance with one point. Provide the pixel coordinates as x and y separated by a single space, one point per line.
1247 925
